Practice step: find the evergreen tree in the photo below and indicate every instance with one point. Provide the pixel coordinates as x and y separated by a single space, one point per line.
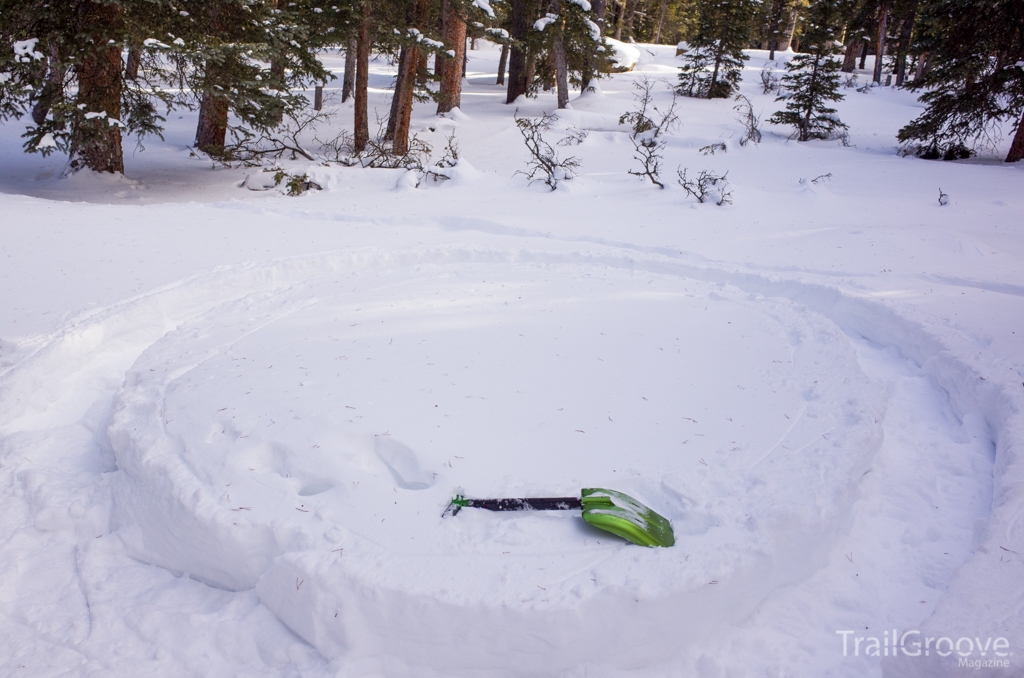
812 80
569 37
976 80
714 60
64 61
91 70
553 43
775 12
247 57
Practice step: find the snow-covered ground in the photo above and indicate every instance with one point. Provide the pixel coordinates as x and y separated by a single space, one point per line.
230 420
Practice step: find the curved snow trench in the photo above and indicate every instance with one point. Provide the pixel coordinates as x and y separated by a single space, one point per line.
293 430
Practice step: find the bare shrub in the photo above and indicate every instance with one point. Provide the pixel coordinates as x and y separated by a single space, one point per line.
750 120
769 81
648 125
544 163
707 187
573 137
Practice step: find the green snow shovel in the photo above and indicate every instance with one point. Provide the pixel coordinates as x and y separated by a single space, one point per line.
608 510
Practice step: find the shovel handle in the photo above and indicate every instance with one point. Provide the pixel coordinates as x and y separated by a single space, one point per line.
527 504
514 504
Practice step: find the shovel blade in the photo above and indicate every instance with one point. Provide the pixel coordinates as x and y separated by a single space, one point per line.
624 516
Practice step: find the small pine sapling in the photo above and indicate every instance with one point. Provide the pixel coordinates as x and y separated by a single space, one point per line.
812 80
648 126
544 163
751 121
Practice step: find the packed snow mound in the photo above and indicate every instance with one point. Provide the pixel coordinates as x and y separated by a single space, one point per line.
624 56
305 440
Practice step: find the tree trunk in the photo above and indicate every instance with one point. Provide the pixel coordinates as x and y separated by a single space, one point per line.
850 56
502 63
786 38
558 54
403 56
451 67
53 88
598 8
407 80
922 66
550 75
531 69
277 69
630 15
774 19
517 83
1017 146
662 8
883 21
96 143
562 73
619 17
131 69
361 134
348 81
211 133
714 73
864 55
404 96
906 30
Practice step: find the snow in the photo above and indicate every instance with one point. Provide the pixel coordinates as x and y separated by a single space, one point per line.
624 56
545 21
230 419
485 6
25 50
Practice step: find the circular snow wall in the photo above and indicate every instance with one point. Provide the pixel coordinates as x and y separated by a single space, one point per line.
305 441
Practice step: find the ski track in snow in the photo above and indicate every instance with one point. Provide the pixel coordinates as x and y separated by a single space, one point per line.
118 559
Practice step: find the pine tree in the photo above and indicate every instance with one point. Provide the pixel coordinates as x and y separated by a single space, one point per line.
554 42
64 61
976 80
92 70
812 80
714 60
249 56
570 37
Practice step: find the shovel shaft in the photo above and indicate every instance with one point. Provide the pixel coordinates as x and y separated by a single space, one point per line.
527 504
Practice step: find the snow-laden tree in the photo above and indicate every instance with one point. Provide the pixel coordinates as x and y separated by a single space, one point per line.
714 60
976 80
812 80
